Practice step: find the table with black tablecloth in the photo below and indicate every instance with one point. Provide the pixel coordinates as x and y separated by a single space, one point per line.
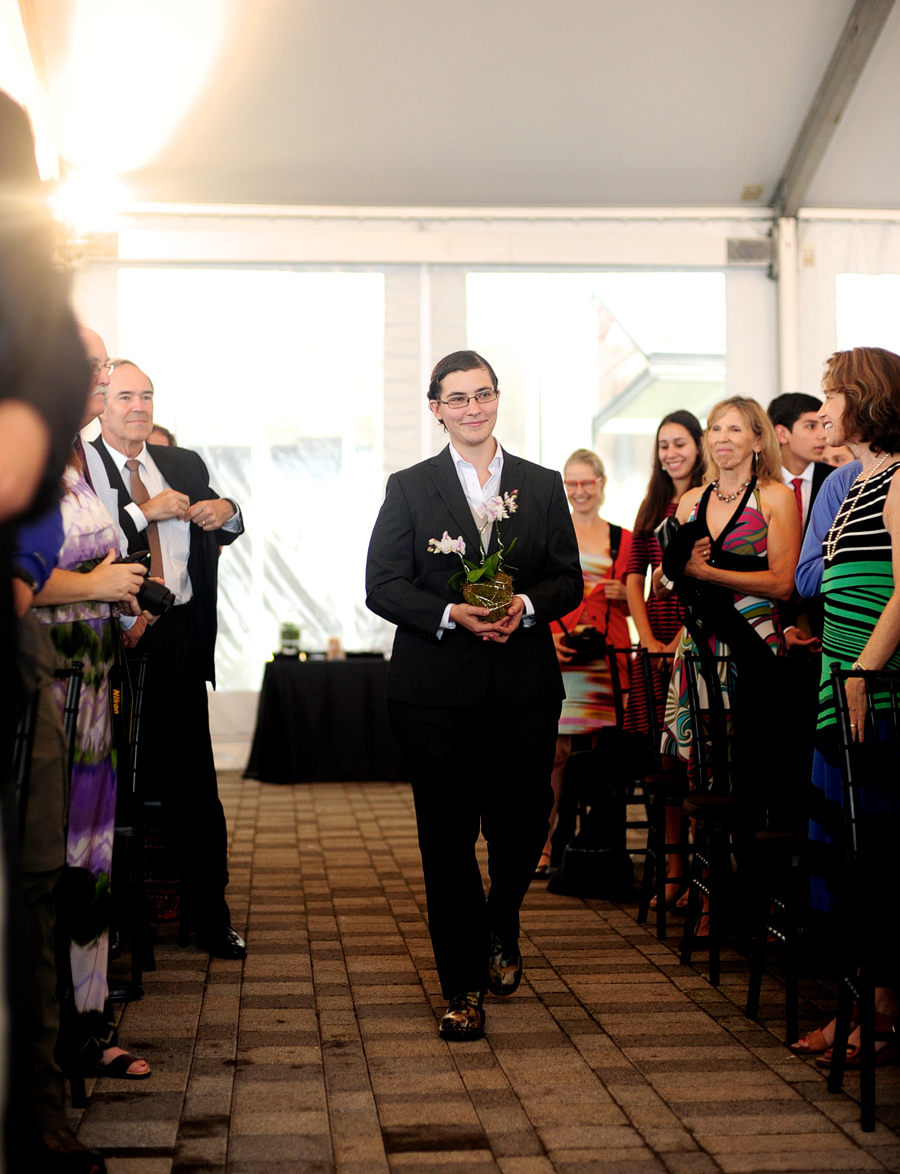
324 721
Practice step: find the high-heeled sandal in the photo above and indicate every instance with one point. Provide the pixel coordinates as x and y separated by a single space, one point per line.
884 1034
814 1042
543 870
678 902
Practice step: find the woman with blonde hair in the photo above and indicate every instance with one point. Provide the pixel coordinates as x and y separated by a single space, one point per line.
737 550
599 621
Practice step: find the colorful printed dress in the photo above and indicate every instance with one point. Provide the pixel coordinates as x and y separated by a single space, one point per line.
744 536
86 632
589 703
666 617
857 582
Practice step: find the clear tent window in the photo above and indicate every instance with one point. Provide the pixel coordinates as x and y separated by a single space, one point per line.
275 378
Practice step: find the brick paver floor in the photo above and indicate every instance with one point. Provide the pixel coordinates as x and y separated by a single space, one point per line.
320 1053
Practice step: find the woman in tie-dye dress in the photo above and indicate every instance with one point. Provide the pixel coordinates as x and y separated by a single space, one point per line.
78 604
741 538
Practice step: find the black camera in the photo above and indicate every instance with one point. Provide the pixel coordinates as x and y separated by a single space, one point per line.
589 645
153 597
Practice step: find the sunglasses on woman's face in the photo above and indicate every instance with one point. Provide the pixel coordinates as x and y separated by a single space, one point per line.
581 484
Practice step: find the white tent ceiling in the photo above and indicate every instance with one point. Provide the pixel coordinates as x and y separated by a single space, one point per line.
470 102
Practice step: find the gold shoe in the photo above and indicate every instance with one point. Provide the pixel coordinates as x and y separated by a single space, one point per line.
464 1019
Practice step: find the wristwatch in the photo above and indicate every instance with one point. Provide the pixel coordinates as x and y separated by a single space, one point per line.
667 583
28 580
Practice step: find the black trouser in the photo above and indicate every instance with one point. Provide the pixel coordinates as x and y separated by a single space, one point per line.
477 767
176 766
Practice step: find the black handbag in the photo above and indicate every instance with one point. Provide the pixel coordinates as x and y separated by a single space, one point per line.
666 531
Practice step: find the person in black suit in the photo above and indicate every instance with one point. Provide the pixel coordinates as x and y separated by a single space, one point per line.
172 511
474 704
801 435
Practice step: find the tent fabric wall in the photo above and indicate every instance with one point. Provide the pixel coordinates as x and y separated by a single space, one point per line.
827 248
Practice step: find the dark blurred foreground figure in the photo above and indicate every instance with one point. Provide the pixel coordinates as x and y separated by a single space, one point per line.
44 379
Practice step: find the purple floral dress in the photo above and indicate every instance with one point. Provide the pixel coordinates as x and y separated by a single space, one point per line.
86 632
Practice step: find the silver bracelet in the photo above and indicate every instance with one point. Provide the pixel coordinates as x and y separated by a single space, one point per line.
667 583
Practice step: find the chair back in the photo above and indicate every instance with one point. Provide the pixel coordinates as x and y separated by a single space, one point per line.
616 658
710 682
650 663
75 675
870 768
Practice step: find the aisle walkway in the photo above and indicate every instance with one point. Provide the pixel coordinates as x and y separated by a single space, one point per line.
320 1053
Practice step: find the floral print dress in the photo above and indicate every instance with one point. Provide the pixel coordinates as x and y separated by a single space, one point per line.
87 632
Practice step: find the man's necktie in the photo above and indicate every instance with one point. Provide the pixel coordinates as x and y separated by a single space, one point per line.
139 495
797 483
78 445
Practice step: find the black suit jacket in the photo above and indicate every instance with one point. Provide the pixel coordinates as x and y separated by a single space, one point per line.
789 609
408 586
186 472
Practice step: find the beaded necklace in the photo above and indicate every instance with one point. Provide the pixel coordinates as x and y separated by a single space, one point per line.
730 496
843 515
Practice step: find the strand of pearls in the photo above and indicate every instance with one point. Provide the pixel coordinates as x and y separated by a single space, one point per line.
833 537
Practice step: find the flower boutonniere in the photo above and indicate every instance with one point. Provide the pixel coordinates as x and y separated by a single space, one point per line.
487 583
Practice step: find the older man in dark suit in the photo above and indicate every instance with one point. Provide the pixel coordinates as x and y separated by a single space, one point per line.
163 502
474 704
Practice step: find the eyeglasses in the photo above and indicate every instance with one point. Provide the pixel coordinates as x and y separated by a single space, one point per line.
581 484
96 366
458 400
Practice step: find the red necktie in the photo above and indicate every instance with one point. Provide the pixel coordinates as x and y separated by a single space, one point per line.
797 483
79 448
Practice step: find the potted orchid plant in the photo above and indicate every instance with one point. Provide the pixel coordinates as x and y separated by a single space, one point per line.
488 583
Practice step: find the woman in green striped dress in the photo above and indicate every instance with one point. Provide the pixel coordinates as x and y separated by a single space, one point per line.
861 556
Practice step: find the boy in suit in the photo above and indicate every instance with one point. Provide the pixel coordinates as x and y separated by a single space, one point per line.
801 435
475 704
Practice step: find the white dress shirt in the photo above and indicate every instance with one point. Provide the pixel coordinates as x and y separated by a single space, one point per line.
805 489
476 495
174 534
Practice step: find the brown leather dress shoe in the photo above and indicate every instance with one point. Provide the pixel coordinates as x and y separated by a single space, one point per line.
504 969
464 1019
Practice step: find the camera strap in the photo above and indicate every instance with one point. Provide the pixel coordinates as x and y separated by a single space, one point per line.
126 522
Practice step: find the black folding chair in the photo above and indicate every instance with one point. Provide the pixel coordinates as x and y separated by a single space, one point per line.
662 790
69 1062
129 853
871 822
775 706
711 806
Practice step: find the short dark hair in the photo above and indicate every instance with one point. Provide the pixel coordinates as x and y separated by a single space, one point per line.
170 436
869 378
786 410
458 361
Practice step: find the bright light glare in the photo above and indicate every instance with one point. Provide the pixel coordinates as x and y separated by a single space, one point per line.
17 77
868 310
134 70
89 200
